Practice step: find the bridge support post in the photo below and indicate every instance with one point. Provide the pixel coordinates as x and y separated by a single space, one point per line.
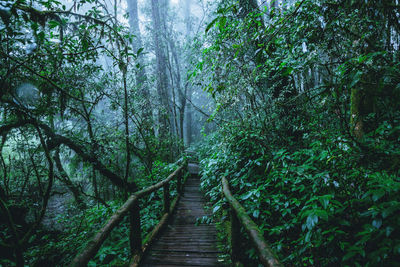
179 182
166 198
135 231
235 237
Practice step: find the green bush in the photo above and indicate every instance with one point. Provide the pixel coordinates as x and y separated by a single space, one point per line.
314 205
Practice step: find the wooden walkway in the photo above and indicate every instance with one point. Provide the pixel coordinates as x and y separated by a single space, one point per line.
183 243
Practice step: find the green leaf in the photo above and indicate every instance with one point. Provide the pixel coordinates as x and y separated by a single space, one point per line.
85 44
222 23
256 213
325 200
288 71
307 238
349 255
322 214
216 208
40 37
311 221
211 24
356 78
248 195
377 223
377 194
53 24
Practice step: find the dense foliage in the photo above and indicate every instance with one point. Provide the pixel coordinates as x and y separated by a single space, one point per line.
299 109
81 126
309 108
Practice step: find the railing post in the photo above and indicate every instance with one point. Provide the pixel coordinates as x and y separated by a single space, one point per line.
179 182
135 235
166 198
185 170
235 236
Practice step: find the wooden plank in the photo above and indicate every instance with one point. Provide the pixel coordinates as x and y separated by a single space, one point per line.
187 250
183 261
184 243
191 254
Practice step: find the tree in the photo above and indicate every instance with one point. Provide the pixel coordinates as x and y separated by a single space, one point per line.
140 74
161 61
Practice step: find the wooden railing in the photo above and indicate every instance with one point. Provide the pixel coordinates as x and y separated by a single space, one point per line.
240 218
131 208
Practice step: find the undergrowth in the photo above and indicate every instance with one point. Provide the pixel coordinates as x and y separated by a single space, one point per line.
317 205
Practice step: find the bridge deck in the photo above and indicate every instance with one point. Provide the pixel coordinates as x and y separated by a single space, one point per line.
183 243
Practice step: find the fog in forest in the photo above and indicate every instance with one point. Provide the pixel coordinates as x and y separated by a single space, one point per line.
199 133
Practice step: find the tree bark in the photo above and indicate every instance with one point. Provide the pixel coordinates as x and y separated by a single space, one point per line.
140 74
127 142
187 110
162 79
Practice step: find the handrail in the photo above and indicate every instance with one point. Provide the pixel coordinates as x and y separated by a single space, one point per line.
131 205
266 256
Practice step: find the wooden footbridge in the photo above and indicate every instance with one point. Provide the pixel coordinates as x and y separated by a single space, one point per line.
180 239
185 243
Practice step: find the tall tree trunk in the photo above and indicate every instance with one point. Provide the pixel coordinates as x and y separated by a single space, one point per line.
178 85
140 74
126 122
162 79
188 89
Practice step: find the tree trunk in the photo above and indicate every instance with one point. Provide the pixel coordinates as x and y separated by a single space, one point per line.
189 118
140 74
186 109
126 122
162 79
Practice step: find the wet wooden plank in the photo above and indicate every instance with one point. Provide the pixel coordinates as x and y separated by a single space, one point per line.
185 242
182 260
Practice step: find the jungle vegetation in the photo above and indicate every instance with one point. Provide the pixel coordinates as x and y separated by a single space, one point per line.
295 102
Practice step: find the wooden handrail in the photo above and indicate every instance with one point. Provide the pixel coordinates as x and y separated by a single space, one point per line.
131 205
238 214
